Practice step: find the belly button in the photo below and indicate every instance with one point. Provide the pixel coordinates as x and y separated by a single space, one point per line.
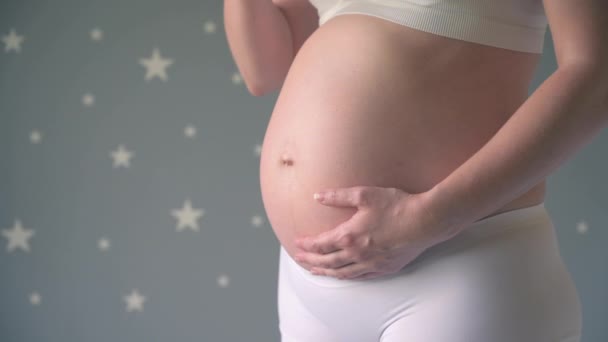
286 160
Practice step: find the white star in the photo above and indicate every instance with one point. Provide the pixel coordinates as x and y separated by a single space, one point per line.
35 136
187 216
88 99
121 156
35 298
223 281
257 220
13 41
18 237
96 34
155 66
257 149
190 131
135 301
103 244
236 78
209 26
582 227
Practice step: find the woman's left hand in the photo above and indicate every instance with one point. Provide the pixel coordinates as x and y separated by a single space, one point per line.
389 230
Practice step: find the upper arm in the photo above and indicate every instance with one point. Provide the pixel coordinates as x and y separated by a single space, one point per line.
579 29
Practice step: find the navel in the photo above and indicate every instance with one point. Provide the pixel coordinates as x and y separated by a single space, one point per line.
286 159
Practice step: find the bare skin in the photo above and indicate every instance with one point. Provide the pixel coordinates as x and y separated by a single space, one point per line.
370 102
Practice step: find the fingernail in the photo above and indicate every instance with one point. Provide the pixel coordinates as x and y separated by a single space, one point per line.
317 195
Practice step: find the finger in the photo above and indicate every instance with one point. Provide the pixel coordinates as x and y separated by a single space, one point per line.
305 265
326 242
331 260
345 197
369 275
345 272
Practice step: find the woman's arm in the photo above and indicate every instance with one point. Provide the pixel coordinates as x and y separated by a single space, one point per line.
264 36
558 119
302 17
260 41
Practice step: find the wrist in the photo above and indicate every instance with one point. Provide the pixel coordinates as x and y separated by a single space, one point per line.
441 219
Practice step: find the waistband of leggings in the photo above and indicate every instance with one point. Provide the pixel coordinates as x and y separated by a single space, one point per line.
506 220
512 219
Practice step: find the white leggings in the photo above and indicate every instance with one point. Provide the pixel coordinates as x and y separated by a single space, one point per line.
501 280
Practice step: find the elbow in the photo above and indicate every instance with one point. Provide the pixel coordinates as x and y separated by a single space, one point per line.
261 86
255 89
254 84
595 75
596 72
258 89
599 77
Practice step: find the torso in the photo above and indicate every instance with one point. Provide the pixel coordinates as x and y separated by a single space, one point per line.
370 102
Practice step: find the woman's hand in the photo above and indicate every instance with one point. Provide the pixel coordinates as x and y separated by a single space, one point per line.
389 230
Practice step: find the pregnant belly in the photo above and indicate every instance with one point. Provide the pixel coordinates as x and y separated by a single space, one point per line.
378 111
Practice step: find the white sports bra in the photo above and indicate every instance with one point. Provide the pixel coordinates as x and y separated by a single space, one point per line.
510 24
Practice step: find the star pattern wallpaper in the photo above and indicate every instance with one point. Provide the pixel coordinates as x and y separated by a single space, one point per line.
130 207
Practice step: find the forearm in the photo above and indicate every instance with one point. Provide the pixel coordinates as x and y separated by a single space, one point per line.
260 41
562 115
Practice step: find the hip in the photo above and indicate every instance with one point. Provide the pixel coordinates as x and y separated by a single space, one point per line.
502 279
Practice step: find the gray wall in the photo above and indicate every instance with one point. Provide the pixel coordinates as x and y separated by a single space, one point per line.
105 232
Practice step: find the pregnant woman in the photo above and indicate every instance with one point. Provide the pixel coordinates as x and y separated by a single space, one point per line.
413 118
